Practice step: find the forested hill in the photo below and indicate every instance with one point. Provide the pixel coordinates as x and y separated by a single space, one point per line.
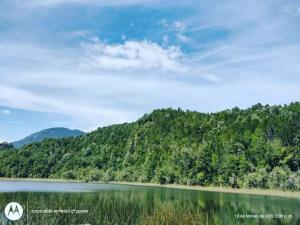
55 133
256 147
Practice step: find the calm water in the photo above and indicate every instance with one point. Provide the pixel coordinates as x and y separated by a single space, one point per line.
80 203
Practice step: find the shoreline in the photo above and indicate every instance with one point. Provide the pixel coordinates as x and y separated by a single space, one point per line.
254 191
41 180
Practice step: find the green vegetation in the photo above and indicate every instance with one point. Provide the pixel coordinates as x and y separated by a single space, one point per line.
258 147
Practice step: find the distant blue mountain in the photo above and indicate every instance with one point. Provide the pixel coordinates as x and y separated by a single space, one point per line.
57 132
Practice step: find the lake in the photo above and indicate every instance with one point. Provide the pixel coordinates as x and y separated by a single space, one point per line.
62 203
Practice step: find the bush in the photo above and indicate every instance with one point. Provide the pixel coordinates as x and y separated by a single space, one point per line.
70 174
108 175
279 178
95 175
294 181
259 179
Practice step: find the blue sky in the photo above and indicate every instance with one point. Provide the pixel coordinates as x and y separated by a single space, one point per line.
85 64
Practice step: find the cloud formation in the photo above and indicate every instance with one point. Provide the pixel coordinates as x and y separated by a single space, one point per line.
133 55
98 65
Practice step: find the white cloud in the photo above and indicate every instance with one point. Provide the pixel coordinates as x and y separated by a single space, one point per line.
133 55
5 111
89 110
182 37
179 26
120 82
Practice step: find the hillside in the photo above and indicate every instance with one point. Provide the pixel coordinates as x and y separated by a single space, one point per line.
5 146
256 147
56 132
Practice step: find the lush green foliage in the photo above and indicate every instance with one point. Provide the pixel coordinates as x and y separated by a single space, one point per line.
256 147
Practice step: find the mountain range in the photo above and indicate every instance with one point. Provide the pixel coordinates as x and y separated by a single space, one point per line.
55 133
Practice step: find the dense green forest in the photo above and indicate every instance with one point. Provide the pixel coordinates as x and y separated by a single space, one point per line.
255 147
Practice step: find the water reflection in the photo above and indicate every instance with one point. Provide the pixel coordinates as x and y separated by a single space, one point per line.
121 204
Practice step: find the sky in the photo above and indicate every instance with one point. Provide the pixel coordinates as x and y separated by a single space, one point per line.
85 63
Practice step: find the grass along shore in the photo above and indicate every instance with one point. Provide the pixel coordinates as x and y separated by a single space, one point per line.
254 191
